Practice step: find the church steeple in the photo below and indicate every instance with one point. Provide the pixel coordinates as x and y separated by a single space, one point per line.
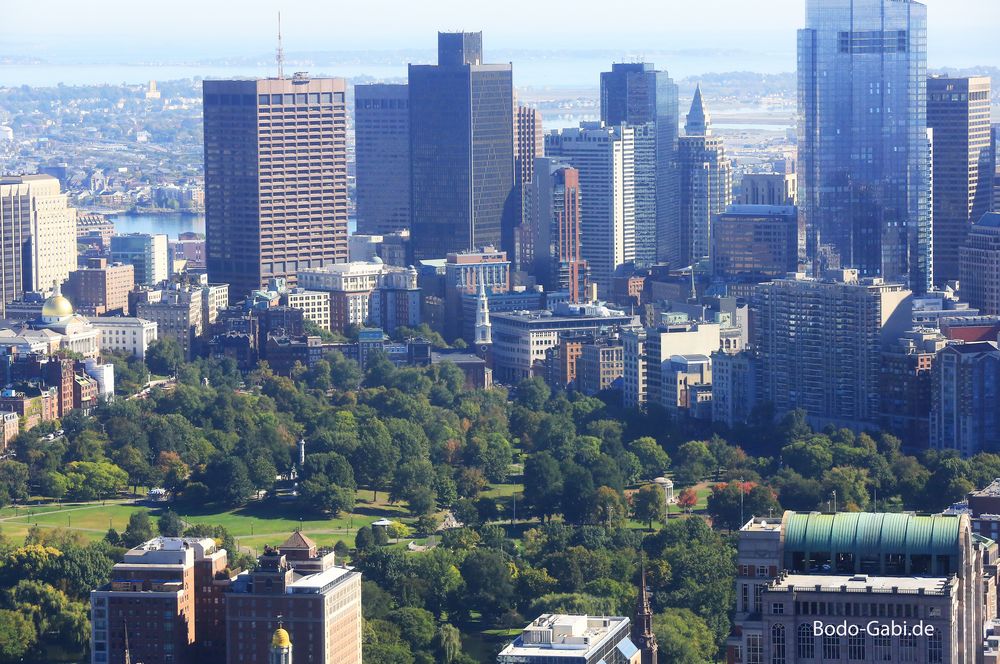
642 624
484 329
699 122
281 647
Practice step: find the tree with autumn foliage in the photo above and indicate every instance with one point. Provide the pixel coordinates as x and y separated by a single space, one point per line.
730 505
687 499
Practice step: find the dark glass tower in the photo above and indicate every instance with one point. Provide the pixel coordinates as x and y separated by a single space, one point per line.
864 154
637 94
382 157
461 151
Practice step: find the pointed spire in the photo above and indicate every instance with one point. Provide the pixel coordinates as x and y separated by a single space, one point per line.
642 626
699 122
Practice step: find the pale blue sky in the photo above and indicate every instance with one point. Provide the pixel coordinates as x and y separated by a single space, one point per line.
961 32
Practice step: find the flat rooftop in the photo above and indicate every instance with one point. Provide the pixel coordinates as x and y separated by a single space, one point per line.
568 636
861 583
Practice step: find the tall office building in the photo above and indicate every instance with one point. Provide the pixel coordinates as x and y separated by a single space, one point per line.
382 157
147 254
275 178
768 189
461 150
706 181
555 223
820 343
958 110
38 235
605 159
864 159
529 144
979 265
638 95
754 243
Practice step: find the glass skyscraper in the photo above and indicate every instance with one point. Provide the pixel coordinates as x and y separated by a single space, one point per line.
461 151
864 152
636 94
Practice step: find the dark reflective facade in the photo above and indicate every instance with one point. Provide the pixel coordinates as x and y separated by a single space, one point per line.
864 154
461 150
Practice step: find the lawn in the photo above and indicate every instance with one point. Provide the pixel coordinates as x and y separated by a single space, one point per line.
91 520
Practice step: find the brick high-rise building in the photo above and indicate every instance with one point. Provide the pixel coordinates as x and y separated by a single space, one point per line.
958 110
555 224
275 178
905 386
162 595
100 288
529 144
382 156
316 601
461 150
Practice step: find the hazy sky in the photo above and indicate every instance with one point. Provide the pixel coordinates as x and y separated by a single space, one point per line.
961 32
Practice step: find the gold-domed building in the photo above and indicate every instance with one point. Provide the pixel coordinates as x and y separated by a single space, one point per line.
281 647
56 308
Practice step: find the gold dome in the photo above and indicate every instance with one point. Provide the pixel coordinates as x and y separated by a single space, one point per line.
280 639
57 306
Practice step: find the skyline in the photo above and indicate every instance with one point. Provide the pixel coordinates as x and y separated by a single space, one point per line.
120 33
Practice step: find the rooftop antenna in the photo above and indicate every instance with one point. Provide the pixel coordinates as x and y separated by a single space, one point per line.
280 54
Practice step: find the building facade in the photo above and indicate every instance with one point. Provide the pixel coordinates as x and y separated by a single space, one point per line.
706 183
131 336
382 157
638 95
177 313
147 254
574 640
275 178
754 243
555 222
529 145
979 265
958 111
820 343
100 288
965 388
605 159
863 153
461 150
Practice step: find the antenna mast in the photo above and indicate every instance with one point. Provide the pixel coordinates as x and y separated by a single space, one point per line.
280 55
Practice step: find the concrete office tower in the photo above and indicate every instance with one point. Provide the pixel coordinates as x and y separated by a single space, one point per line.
555 222
754 243
821 340
461 150
275 178
864 161
39 235
147 254
529 144
605 159
979 265
638 95
382 157
958 110
706 180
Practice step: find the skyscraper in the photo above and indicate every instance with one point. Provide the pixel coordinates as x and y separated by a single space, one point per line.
37 235
275 178
979 265
863 149
638 95
555 222
529 144
147 254
958 110
706 180
605 159
461 150
382 157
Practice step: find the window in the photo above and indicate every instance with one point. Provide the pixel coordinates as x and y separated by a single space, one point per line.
754 649
807 644
778 644
777 608
935 648
856 647
907 648
831 647
883 649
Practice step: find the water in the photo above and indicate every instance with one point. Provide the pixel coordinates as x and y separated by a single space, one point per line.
172 224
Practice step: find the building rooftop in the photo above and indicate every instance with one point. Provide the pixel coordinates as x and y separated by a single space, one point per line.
992 490
319 582
907 585
863 532
568 636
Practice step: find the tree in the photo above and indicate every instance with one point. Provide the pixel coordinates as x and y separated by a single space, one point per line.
649 504
810 458
693 462
684 637
488 582
610 508
415 624
543 484
851 486
230 481
81 569
448 643
13 482
653 460
376 457
89 480
364 539
134 462
687 499
164 356
731 504
139 529
17 636
169 524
